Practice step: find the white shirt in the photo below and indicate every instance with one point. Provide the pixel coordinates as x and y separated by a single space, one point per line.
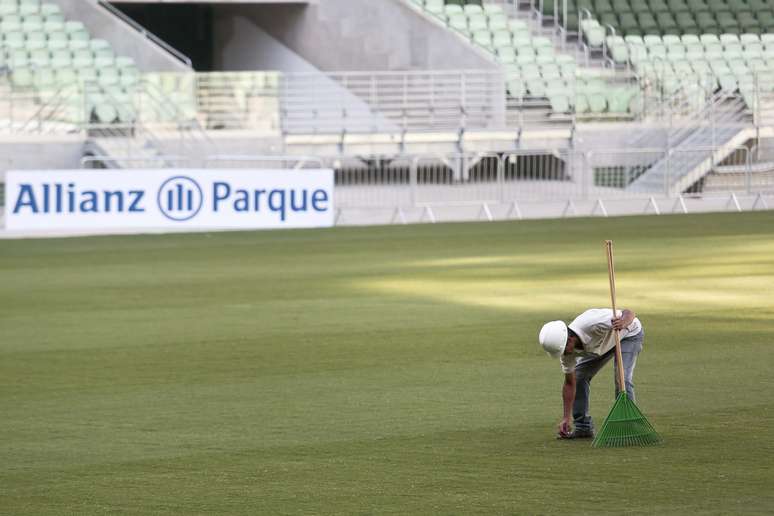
594 328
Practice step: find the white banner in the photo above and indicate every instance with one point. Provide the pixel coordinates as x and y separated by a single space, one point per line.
168 199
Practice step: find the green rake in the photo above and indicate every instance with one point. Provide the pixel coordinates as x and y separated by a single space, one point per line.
625 424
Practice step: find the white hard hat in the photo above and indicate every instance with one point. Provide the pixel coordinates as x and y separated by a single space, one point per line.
553 338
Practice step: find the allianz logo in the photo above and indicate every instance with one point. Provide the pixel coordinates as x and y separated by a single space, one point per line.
179 198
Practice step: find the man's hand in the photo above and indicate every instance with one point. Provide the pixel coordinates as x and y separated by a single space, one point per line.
621 323
564 429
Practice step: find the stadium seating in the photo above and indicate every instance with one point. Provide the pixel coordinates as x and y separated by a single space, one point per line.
533 66
682 45
48 54
728 62
670 17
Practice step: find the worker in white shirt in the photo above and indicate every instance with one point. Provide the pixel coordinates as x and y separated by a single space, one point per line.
583 347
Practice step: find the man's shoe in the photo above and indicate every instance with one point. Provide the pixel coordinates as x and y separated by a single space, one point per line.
577 434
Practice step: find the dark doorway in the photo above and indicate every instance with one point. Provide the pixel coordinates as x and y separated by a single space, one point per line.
186 27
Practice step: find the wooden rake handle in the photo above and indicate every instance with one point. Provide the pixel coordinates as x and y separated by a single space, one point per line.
611 277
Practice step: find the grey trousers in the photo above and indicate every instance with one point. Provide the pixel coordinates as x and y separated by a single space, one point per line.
588 367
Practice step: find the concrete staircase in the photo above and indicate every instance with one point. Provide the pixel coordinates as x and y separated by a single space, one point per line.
695 146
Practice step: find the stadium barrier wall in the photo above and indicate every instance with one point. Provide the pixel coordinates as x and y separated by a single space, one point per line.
546 183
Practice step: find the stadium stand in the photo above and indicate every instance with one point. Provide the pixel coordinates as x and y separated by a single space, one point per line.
45 53
55 77
679 45
533 66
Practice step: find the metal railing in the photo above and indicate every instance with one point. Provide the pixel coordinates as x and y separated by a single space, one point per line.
543 183
363 102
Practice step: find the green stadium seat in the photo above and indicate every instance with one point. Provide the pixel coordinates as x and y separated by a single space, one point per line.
483 38
10 24
727 21
757 65
98 44
44 79
618 100
83 61
619 53
36 41
560 101
753 50
706 23
18 59
517 26
66 76
516 88
697 5
729 39
8 9
694 51
28 8
61 61
109 76
597 102
502 39
458 22
678 6
628 25
106 113
676 52
568 70
435 6
651 40
686 23
490 9
603 6
104 61
701 68
22 77
39 58
667 23
709 39
49 10
609 20
497 22
581 104
671 39
477 22
472 9
690 39
14 40
536 87
541 41
647 23
452 10
638 6
129 76
595 36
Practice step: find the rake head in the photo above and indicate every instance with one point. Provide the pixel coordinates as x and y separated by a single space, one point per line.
625 426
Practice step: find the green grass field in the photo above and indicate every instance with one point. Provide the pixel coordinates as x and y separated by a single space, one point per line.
389 370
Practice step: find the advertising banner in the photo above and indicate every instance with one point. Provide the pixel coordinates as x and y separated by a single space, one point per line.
168 199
